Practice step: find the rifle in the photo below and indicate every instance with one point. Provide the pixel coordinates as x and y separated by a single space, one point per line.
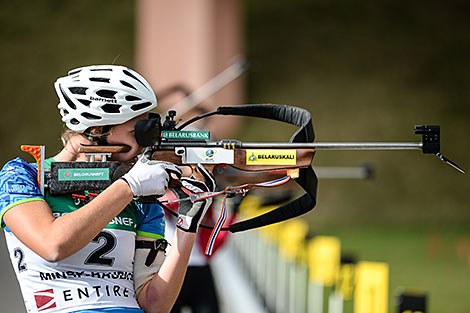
169 142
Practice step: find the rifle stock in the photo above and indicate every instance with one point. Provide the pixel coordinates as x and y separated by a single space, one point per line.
304 158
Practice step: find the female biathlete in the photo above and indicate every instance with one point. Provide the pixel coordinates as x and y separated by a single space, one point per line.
83 257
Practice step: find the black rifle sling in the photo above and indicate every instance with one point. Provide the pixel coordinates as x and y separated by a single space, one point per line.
307 178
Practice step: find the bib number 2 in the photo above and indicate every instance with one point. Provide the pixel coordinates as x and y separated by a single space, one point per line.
107 242
19 254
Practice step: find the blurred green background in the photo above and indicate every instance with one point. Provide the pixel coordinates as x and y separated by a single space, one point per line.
366 70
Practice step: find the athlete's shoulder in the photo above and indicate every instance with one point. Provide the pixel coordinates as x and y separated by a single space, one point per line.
18 184
18 177
18 169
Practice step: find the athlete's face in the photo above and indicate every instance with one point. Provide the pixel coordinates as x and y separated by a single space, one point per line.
123 134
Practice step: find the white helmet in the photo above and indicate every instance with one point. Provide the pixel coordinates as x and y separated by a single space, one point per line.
102 95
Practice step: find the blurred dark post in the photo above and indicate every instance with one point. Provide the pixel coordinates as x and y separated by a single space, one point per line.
411 302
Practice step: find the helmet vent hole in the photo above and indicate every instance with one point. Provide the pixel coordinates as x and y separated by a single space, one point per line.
67 99
78 90
111 108
127 84
132 98
74 121
140 106
130 75
74 72
85 102
106 93
90 116
99 79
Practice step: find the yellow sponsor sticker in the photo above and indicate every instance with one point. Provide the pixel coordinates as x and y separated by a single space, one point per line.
271 157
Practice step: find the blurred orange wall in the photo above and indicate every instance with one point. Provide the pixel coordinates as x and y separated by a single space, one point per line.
186 43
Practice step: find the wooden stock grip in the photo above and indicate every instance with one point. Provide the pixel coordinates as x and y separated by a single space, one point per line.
102 149
304 158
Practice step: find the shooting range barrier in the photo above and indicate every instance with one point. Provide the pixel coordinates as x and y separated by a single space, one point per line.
288 272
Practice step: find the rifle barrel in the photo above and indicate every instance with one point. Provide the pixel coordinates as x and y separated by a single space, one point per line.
299 145
340 145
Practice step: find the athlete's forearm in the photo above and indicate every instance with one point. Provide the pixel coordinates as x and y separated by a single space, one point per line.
161 292
79 229
57 238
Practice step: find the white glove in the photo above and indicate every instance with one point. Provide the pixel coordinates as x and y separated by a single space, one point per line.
149 177
190 214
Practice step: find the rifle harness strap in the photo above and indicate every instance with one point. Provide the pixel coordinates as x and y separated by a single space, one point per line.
307 178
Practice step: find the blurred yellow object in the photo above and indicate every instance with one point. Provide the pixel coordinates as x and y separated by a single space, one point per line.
250 206
371 295
345 280
324 255
291 238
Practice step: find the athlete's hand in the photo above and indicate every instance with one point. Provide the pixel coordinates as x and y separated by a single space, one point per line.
190 214
149 177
